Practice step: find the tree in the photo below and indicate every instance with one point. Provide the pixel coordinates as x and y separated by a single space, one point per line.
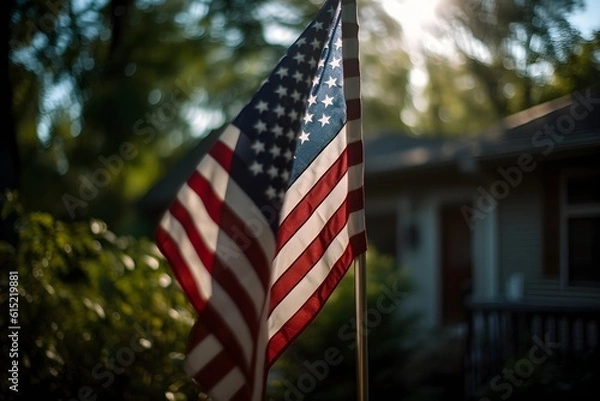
455 104
485 60
97 315
512 47
385 68
10 162
580 69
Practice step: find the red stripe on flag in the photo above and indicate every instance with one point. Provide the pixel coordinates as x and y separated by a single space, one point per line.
242 395
352 155
198 333
170 249
307 313
216 369
219 271
236 229
349 30
219 327
311 255
353 109
220 330
351 68
221 153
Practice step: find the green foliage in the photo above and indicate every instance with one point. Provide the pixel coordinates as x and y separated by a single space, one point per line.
559 376
328 344
99 313
581 67
386 65
512 47
490 59
457 106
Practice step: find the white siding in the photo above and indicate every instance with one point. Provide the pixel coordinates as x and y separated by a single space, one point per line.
520 230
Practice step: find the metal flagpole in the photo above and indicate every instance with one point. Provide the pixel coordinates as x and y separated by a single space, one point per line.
360 287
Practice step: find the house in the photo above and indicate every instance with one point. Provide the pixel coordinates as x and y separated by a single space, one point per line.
511 213
500 232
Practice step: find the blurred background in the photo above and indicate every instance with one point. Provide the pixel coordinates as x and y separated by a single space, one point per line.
112 102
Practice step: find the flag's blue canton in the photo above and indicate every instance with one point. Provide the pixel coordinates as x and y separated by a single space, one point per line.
292 117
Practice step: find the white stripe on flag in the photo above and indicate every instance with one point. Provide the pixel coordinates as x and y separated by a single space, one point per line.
201 277
296 298
230 384
201 354
211 290
225 247
239 202
311 228
318 168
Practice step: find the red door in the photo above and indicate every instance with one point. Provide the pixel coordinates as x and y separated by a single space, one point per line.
455 263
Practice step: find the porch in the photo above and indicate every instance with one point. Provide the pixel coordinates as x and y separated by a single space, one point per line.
512 347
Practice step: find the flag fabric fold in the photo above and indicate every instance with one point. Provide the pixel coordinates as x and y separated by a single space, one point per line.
267 225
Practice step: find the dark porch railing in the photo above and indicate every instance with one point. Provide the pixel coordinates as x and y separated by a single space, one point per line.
508 342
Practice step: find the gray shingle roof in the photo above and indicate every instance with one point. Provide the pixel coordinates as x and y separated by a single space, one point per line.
568 122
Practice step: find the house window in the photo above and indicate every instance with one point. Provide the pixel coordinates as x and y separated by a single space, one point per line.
581 228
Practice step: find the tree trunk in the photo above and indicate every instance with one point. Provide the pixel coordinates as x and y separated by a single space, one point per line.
9 154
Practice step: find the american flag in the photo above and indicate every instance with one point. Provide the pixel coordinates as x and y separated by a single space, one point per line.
273 216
